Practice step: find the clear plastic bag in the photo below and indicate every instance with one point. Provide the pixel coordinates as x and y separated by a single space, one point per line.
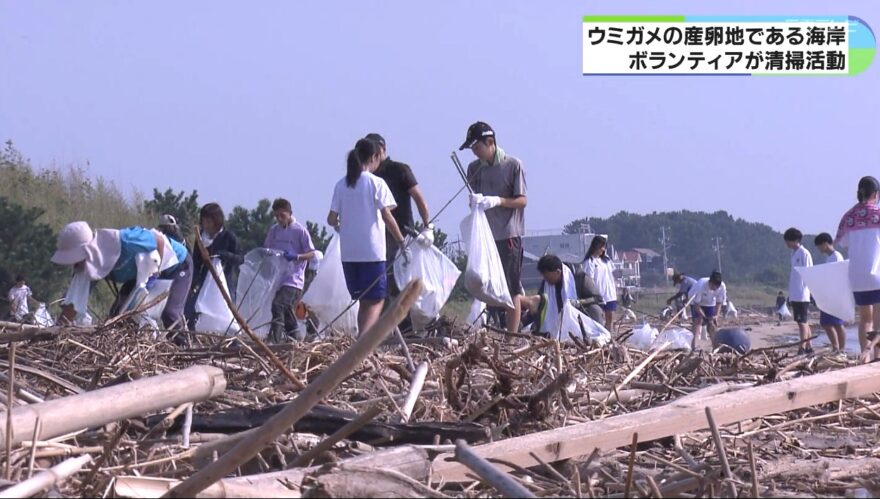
642 337
731 310
571 322
484 275
328 294
678 338
438 275
214 315
259 278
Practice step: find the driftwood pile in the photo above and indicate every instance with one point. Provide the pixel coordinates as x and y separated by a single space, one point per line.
457 414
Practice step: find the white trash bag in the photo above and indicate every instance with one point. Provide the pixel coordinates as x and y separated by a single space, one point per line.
731 311
572 319
42 316
484 275
214 314
678 339
259 278
477 316
784 312
438 275
328 294
642 337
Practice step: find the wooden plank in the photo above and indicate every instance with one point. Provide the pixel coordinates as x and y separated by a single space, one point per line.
676 417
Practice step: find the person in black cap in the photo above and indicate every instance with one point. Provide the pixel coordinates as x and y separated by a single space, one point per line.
404 187
498 181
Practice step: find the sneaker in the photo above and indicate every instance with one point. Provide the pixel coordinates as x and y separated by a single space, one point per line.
801 351
809 351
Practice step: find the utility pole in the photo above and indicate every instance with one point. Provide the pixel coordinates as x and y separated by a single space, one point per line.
717 246
664 243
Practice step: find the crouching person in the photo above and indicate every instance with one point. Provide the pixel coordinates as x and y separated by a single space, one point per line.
133 257
559 286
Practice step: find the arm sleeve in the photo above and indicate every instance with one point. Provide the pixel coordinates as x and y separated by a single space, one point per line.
519 181
408 179
305 241
336 200
384 198
236 258
808 259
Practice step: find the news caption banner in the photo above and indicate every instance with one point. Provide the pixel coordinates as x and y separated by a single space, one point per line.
727 45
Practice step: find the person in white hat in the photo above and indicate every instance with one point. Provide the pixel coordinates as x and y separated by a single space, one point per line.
134 257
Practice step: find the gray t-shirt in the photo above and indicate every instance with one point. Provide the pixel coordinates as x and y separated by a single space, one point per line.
505 178
687 283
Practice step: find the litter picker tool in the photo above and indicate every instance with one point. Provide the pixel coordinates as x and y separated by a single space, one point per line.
461 172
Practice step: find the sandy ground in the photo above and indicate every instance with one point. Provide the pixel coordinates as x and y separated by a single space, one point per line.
763 330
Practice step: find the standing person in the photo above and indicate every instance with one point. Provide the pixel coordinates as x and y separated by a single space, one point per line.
20 296
404 188
600 268
498 181
360 210
134 257
832 325
288 236
706 297
780 302
859 231
219 242
798 292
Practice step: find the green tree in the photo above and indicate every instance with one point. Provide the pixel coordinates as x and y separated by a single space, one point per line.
251 226
26 246
185 208
320 236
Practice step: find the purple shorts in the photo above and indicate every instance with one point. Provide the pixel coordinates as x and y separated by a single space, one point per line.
864 298
829 320
365 280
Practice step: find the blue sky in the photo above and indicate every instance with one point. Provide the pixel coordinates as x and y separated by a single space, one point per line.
249 100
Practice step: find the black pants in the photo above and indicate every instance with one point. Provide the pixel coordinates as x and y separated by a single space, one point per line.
283 319
391 248
181 279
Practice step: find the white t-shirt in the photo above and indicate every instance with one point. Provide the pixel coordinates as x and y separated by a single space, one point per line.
797 288
18 299
705 296
362 229
602 273
864 258
835 256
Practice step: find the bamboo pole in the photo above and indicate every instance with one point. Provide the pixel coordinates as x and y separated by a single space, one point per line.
65 415
45 479
241 320
308 398
489 473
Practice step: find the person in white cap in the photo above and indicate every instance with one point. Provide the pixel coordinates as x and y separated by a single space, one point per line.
134 257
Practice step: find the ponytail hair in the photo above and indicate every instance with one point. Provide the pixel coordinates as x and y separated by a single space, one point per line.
867 187
363 151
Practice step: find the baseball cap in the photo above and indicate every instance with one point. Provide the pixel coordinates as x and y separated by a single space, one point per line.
167 219
475 132
375 137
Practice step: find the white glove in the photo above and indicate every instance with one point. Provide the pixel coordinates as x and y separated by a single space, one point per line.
475 199
489 202
426 237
